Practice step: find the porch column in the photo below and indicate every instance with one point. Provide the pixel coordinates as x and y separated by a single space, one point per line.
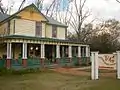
42 51
118 64
87 55
57 52
24 54
63 51
70 51
87 52
79 51
9 57
79 54
42 54
94 66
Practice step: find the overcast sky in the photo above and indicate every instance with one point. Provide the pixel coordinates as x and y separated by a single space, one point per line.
104 9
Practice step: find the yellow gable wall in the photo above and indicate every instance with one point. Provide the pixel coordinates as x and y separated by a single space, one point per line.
31 15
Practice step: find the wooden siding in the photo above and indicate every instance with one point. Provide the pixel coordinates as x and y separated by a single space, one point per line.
24 27
49 31
3 29
35 16
61 33
43 29
12 27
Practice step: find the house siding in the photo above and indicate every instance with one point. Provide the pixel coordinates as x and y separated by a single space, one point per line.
12 27
35 16
49 31
24 27
60 33
3 29
43 29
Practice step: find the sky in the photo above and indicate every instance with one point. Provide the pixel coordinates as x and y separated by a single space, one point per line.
101 9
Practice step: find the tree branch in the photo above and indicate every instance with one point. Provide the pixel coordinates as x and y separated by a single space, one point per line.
118 1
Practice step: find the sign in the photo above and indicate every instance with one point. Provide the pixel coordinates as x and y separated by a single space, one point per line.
107 61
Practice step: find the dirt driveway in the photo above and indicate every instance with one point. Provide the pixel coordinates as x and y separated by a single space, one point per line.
86 71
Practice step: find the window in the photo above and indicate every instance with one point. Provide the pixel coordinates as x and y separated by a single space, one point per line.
54 31
38 29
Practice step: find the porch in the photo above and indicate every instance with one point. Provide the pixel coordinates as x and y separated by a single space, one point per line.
17 54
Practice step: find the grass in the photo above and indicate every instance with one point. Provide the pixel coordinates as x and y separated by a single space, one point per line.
49 80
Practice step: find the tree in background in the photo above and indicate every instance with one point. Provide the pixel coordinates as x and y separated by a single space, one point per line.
85 35
8 8
78 17
105 37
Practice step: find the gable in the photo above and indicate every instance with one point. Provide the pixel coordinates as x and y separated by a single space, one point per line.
31 13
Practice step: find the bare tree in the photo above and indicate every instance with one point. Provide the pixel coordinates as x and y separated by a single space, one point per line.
39 4
51 6
21 5
78 16
8 8
118 1
1 8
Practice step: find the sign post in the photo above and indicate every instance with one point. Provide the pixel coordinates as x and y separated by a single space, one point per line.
94 68
118 64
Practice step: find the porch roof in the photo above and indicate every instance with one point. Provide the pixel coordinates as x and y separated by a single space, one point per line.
43 39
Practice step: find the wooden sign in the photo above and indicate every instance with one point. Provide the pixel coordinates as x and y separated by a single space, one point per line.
107 61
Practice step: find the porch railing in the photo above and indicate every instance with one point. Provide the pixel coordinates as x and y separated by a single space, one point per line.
2 63
33 62
16 63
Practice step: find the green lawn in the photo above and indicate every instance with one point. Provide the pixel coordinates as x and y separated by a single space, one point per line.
49 80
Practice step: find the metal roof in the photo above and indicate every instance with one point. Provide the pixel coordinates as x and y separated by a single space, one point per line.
54 22
3 16
41 39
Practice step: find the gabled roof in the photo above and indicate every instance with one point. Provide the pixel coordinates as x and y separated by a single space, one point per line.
5 17
54 22
14 15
